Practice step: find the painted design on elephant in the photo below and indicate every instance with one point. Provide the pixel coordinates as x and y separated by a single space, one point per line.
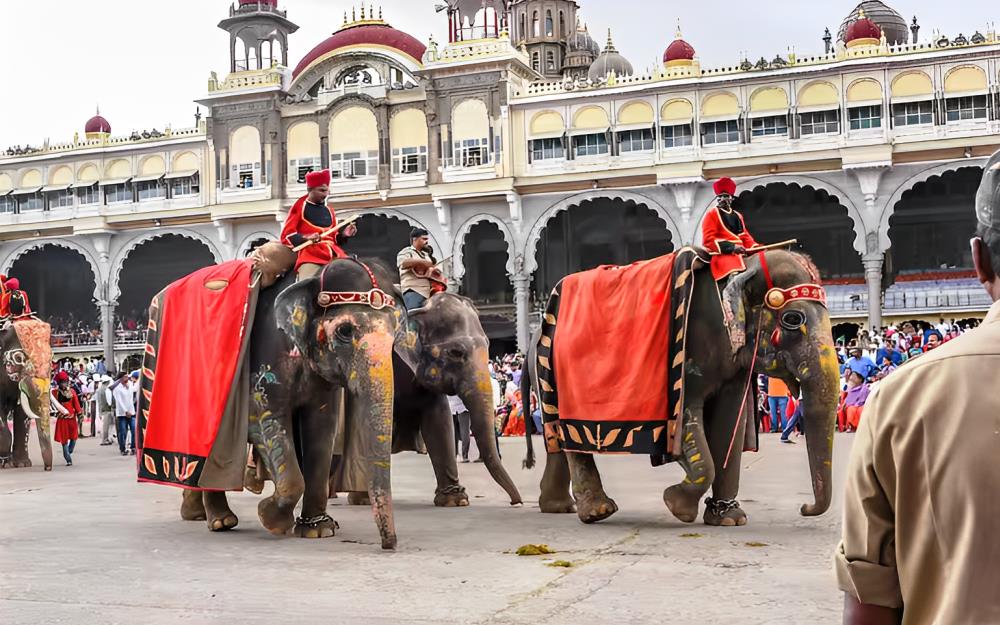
265 375
299 316
265 431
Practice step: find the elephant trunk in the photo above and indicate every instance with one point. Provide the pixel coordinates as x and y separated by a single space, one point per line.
478 399
820 391
376 382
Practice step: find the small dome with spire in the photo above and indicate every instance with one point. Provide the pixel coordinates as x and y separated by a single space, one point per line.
679 52
581 41
609 61
96 126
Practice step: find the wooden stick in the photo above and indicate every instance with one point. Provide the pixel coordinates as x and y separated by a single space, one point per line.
763 248
326 233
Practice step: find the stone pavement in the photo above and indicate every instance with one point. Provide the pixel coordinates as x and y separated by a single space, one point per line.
88 545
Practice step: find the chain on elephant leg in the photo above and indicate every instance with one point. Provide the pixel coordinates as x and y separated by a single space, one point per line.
724 512
683 499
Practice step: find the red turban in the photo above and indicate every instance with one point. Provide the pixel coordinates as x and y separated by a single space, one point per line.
61 377
317 179
725 185
13 284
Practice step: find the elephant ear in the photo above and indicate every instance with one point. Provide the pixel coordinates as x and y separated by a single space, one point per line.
293 311
736 307
407 340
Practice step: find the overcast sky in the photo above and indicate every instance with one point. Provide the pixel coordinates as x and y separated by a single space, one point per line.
144 62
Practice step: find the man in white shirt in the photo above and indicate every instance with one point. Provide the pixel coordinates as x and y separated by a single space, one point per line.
463 423
124 398
104 405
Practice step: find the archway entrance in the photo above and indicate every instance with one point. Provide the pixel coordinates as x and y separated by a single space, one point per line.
597 232
779 212
931 225
60 285
382 238
486 283
148 269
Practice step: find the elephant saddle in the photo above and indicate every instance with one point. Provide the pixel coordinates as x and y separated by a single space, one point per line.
611 357
194 401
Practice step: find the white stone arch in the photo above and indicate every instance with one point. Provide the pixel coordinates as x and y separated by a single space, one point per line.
922 176
402 216
100 279
458 247
118 262
535 234
244 245
816 184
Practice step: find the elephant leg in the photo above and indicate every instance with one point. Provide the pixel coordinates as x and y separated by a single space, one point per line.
593 504
317 435
358 498
696 458
192 505
438 431
6 443
271 438
44 431
22 428
724 431
218 515
254 475
555 496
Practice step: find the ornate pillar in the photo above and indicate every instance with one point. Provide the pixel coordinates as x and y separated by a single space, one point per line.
522 285
873 276
324 152
108 332
384 149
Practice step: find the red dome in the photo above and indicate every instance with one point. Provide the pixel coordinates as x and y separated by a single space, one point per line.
97 124
679 50
862 28
367 35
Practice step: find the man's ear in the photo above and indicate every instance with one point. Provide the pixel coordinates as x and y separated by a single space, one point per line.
983 262
293 311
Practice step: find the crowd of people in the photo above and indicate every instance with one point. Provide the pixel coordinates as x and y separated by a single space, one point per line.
71 330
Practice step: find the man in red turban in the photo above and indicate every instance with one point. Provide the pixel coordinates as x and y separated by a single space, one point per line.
724 233
307 220
14 301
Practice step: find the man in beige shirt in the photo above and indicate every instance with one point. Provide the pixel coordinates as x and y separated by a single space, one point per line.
921 537
414 263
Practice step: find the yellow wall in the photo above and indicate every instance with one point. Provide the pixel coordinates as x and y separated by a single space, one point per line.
88 173
31 178
6 183
720 104
819 94
61 175
353 129
152 165
591 117
677 111
911 84
408 129
547 122
244 146
864 90
118 169
303 141
769 99
185 161
636 113
965 79
470 120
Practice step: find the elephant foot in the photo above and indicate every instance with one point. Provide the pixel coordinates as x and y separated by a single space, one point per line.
224 523
451 497
22 463
358 498
322 526
48 467
192 506
724 513
251 482
6 462
275 519
556 505
592 508
681 503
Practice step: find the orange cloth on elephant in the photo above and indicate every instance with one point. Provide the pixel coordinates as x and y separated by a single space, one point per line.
715 234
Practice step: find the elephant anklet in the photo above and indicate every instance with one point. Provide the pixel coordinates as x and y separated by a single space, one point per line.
719 507
316 521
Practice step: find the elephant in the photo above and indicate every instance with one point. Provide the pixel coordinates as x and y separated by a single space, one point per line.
448 354
24 391
795 345
311 340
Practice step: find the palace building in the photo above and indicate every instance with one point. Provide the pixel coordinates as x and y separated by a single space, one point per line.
530 147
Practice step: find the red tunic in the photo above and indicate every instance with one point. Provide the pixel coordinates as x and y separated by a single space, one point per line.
67 428
4 303
297 227
713 233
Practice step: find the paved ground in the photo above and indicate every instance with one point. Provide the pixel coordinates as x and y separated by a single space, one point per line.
87 544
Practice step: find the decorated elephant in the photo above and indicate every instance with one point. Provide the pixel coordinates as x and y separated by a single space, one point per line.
24 390
306 342
770 319
447 354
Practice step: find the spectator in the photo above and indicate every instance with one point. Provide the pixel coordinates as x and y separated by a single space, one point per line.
860 364
463 423
124 400
67 404
777 403
852 402
933 341
104 407
793 421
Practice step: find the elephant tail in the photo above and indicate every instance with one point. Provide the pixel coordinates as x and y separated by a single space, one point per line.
529 421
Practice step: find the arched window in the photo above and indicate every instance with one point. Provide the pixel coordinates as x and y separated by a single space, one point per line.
549 28
524 27
550 61
562 24
534 62
536 25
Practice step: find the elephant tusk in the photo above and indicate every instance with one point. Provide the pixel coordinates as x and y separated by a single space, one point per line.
26 407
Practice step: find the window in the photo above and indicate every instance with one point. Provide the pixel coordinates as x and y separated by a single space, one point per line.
912 114
409 160
769 126
117 193
60 199
353 165
562 24
550 61
820 123
303 166
721 132
547 149
472 152
181 187
536 25
524 26
677 136
7 204
590 145
88 195
636 140
31 202
964 109
534 62
245 178
549 28
865 117
151 190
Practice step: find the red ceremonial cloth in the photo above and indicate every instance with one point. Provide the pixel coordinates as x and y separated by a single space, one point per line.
201 333
611 342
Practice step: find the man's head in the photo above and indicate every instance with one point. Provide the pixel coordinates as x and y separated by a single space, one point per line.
856 352
725 189
986 244
933 340
419 238
855 379
318 186
62 380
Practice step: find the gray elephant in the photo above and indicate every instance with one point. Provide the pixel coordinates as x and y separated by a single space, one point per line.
795 345
24 391
447 354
